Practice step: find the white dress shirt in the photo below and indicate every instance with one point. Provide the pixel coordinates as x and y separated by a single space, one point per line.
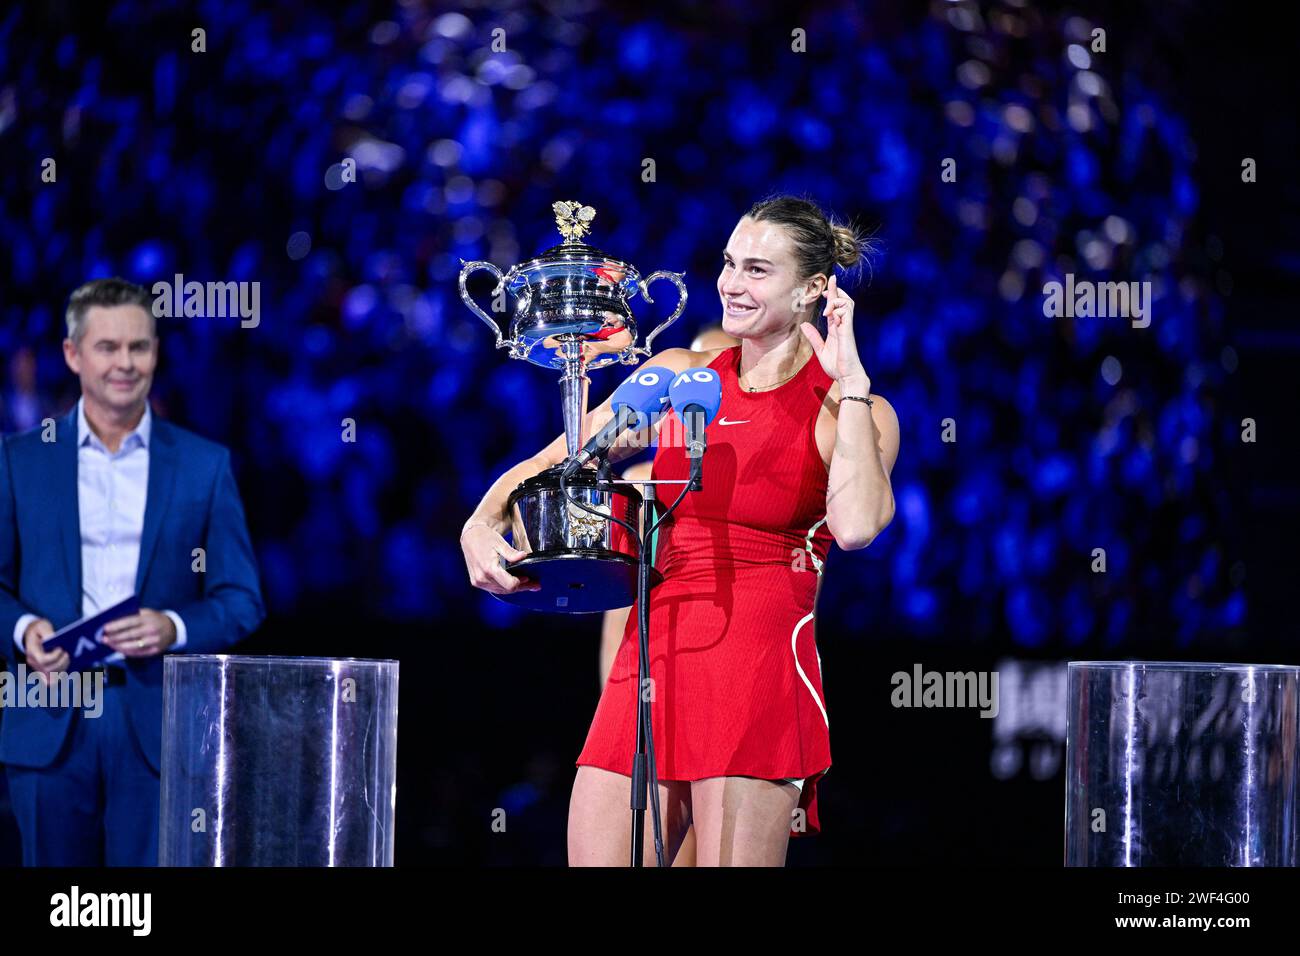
111 493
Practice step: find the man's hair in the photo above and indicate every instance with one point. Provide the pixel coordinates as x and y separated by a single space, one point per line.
105 292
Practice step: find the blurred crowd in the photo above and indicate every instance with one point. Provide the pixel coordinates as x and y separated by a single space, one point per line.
228 165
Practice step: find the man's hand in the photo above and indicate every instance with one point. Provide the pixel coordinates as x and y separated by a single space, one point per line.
46 662
141 635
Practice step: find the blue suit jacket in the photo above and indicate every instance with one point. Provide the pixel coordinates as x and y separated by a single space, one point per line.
192 503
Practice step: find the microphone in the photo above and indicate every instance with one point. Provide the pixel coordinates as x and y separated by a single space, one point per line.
633 401
696 395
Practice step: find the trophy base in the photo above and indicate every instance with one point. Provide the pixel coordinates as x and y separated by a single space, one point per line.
577 581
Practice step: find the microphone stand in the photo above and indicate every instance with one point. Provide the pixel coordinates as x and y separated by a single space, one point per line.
641 782
641 760
645 775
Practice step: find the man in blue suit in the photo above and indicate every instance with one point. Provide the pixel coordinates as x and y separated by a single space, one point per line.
105 503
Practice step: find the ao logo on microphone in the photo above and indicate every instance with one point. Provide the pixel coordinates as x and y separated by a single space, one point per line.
695 375
648 377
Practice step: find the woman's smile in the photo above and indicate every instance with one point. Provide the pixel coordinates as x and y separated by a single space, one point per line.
736 308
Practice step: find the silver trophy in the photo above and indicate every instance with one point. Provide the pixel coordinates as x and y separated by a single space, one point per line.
572 313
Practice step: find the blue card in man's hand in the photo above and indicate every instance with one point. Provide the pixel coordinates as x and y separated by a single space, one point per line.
84 639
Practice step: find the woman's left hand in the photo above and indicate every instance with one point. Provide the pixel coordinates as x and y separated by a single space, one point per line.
838 353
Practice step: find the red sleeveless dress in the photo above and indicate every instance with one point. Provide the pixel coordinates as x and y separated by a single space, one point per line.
737 677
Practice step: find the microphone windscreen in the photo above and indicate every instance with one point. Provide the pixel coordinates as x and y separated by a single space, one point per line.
643 393
696 386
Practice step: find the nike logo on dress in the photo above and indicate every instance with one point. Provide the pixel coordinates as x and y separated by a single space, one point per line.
723 421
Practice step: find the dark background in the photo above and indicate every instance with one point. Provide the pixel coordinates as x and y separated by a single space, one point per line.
218 164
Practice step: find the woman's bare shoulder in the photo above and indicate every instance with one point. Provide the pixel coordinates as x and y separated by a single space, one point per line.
679 360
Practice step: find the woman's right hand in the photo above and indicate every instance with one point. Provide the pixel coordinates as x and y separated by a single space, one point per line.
486 554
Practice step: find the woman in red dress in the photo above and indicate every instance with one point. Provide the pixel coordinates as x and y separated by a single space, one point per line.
799 456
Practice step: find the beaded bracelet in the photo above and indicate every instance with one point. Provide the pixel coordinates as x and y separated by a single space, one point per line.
856 398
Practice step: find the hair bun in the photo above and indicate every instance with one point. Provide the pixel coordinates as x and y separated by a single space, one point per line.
850 247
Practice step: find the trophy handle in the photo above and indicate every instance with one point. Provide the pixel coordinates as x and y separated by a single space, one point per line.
676 279
468 269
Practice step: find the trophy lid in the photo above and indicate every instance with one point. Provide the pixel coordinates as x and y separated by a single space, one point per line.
573 220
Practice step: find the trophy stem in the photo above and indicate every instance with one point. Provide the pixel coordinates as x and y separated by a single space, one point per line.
573 389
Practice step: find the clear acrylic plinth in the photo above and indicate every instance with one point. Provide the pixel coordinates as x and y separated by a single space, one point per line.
278 761
1181 764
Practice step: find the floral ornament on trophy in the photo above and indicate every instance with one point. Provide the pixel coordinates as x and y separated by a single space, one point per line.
573 219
